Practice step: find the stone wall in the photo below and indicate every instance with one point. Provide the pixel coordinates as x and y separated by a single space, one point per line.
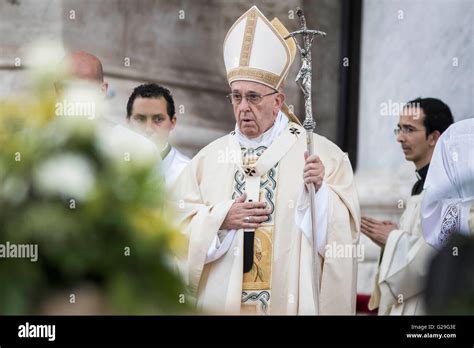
409 49
174 43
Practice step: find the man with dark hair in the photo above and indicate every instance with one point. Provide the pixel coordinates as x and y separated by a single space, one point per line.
430 117
403 261
151 111
440 117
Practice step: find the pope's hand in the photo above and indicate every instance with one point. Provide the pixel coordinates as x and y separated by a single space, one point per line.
313 172
246 215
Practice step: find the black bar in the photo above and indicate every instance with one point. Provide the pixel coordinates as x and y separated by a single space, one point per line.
139 330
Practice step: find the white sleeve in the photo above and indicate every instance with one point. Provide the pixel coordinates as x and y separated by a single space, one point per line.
432 206
447 197
303 216
220 245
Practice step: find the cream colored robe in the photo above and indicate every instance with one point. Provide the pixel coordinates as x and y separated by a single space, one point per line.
202 198
404 265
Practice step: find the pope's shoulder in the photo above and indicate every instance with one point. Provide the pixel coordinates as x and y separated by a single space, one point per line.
321 143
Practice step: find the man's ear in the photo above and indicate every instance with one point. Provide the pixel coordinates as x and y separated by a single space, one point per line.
173 122
104 88
280 100
433 137
58 88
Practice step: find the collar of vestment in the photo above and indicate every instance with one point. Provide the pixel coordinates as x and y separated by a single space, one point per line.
278 142
274 152
281 121
421 176
166 150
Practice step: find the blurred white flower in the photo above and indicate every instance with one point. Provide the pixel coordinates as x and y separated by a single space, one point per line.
44 57
69 175
14 189
81 99
127 147
80 108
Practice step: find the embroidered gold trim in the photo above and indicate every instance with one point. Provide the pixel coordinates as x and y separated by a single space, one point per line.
248 38
263 76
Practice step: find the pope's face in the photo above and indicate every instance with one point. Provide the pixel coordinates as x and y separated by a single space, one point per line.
150 117
254 119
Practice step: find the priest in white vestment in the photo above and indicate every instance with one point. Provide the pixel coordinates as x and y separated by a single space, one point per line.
405 256
243 204
151 112
449 185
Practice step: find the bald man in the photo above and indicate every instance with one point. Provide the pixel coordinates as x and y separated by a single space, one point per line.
81 67
84 66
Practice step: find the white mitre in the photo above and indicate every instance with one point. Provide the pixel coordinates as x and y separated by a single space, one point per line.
255 50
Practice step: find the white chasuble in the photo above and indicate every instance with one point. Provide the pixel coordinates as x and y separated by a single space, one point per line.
280 280
172 165
400 281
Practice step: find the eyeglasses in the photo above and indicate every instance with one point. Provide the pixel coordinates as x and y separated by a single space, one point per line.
252 98
405 130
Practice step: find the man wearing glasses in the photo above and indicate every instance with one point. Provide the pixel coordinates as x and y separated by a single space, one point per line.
404 256
243 202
